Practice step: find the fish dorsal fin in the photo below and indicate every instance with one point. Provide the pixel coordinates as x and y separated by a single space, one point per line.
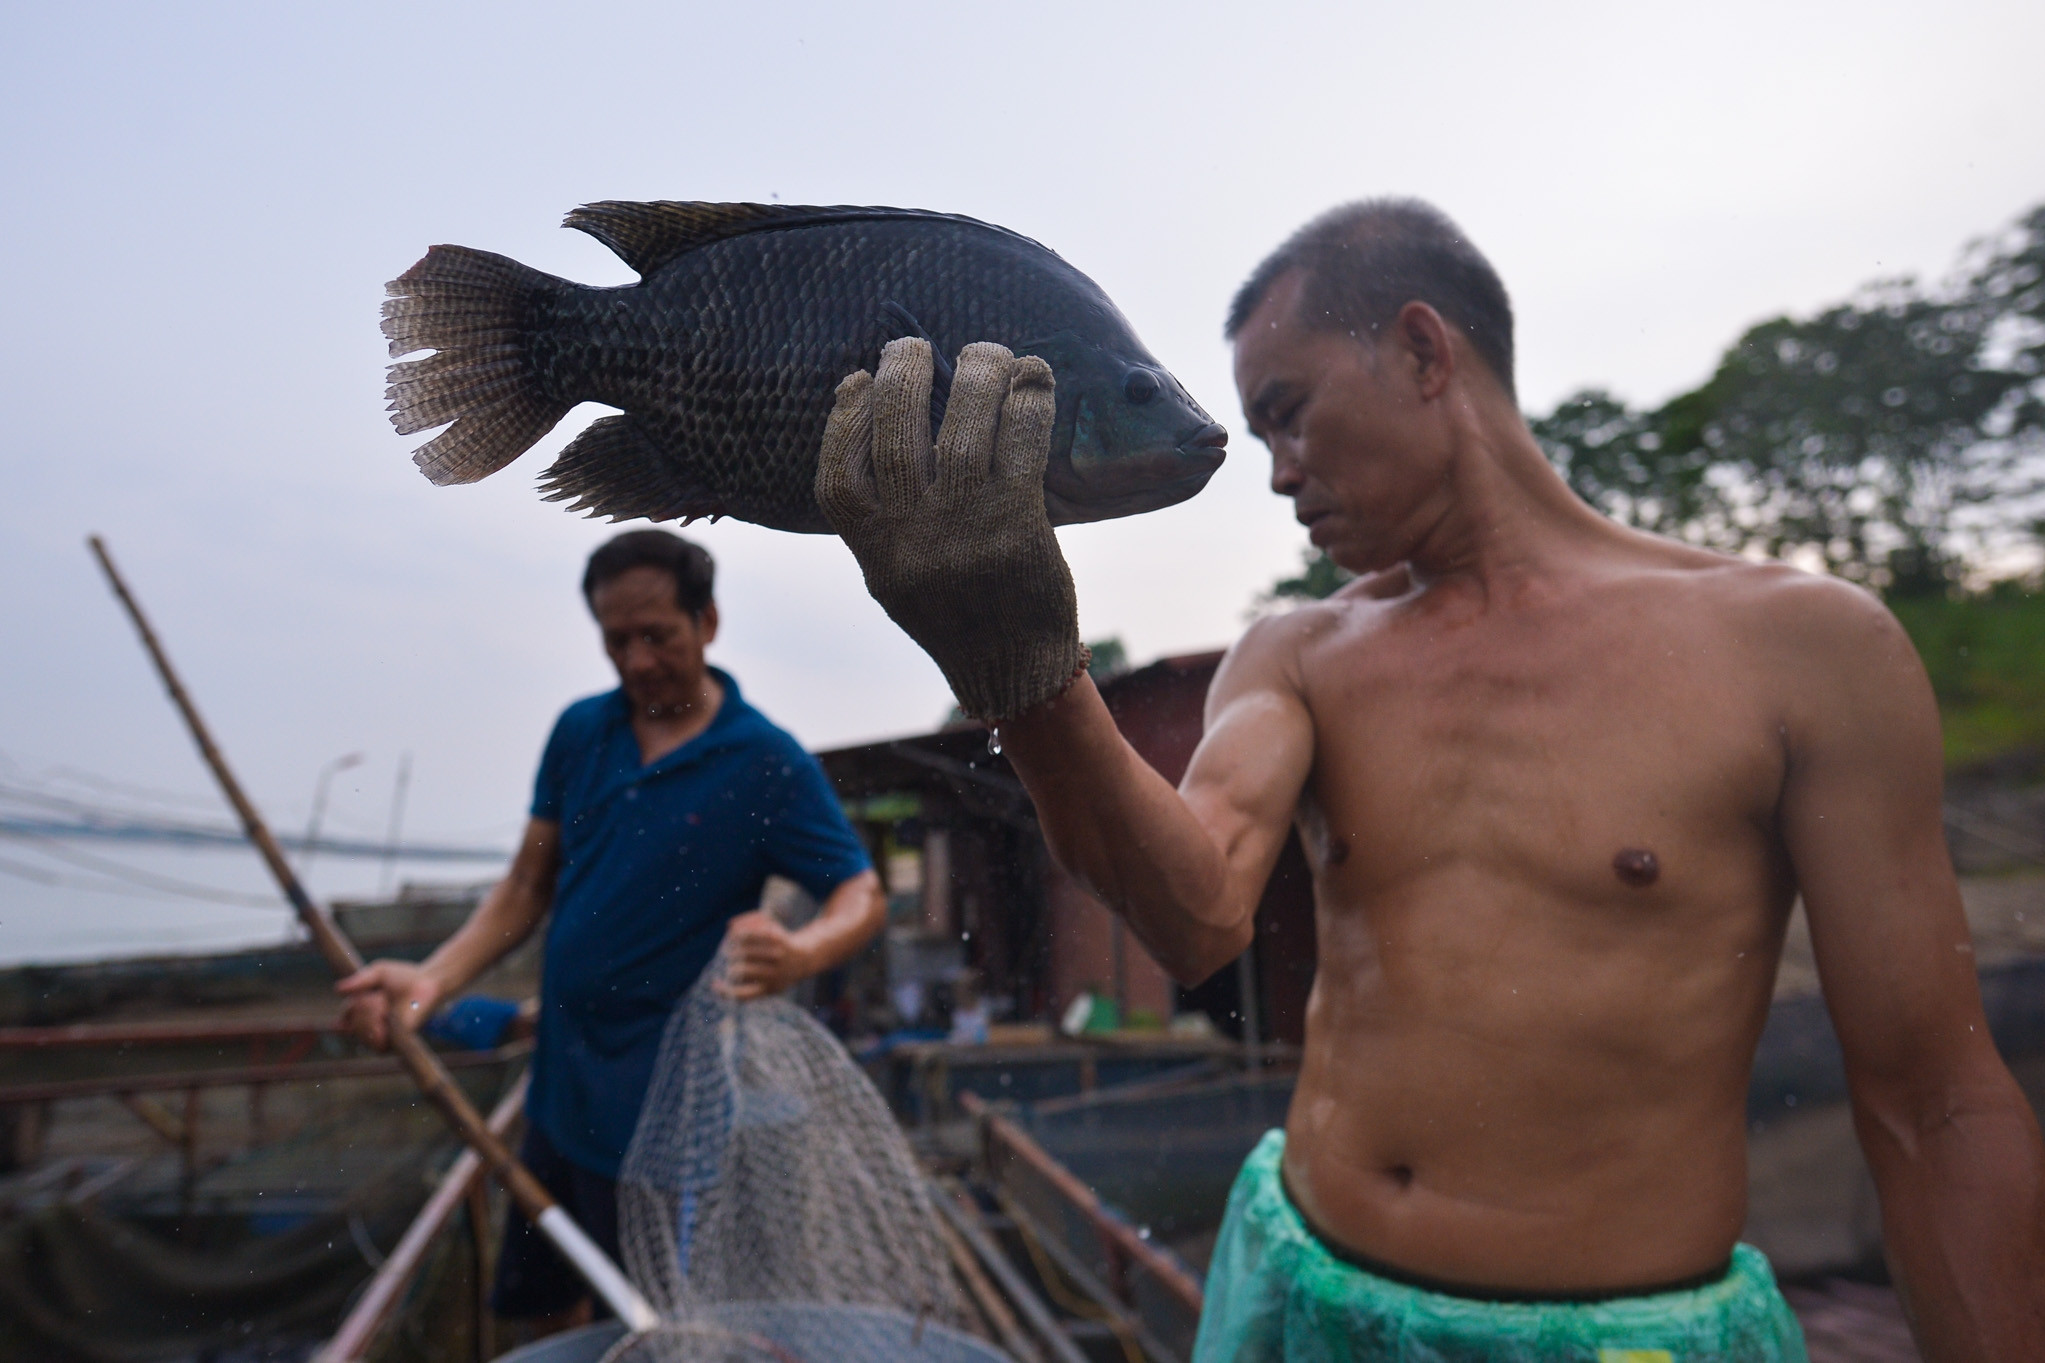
647 236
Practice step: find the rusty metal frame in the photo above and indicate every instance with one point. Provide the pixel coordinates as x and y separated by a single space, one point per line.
963 1218
1120 1243
1079 1290
109 1035
230 1076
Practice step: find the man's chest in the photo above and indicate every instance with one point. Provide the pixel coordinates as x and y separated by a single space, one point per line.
613 806
1568 753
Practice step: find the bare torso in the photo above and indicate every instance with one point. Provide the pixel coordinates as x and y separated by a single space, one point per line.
1550 900
1559 783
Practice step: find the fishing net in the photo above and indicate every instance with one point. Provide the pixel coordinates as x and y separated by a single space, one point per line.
771 1208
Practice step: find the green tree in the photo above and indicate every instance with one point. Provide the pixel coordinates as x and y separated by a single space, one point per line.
1898 438
1319 576
1110 658
1879 435
1615 458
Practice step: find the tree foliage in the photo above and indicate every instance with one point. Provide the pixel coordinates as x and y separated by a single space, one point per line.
1896 439
1319 576
1985 654
1107 658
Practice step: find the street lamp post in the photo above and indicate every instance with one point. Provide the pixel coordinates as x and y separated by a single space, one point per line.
319 807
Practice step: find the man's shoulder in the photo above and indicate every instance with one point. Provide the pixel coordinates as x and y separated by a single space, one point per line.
589 708
746 727
1834 637
1774 598
581 719
1274 646
1281 635
1786 618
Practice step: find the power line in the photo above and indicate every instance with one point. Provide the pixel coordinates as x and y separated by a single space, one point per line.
137 882
201 835
32 873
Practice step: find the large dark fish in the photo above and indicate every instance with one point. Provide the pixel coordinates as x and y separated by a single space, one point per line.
725 356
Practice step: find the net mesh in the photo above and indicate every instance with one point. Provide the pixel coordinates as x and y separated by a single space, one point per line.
771 1208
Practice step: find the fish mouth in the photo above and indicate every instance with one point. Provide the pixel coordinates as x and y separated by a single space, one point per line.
1213 437
1139 483
1201 453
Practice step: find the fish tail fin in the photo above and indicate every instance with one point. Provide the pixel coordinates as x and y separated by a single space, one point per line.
474 309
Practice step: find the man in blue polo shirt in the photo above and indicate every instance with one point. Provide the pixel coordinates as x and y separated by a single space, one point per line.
660 809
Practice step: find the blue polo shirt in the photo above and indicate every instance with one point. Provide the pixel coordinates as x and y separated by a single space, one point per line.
655 860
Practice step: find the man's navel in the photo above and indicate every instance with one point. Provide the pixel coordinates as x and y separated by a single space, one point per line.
1338 849
1637 866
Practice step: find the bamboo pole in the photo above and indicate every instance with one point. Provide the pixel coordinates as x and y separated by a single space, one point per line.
432 1077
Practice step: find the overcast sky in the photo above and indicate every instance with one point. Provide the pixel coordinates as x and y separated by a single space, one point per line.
205 201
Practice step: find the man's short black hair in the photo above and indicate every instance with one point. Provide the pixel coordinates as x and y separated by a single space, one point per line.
690 564
1364 261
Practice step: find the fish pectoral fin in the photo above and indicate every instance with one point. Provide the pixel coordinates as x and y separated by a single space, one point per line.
616 469
940 363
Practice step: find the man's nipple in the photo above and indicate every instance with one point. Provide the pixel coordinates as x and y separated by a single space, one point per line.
1637 866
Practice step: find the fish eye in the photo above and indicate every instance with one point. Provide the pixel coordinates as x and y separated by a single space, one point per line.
1140 387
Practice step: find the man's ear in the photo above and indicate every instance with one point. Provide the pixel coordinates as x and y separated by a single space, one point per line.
706 623
1424 336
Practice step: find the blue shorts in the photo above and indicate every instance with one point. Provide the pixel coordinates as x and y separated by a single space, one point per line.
1277 1294
532 1278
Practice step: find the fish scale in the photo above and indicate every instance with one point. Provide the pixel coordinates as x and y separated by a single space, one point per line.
725 358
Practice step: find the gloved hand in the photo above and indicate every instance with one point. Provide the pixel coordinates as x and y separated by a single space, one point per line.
954 542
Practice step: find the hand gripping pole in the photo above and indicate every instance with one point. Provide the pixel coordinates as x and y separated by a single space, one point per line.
534 1201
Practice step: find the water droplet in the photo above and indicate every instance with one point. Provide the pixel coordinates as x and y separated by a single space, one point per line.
994 742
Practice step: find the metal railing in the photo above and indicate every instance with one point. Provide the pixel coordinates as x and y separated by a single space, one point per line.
464 1185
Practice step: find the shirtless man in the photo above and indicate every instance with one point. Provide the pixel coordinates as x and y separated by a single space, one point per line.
1559 783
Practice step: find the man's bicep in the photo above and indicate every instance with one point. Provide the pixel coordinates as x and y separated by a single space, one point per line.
538 858
1245 779
1862 820
550 782
809 839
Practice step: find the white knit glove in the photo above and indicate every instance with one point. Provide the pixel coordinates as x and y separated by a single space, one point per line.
954 540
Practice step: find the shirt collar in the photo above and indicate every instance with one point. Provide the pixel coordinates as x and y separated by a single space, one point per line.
723 727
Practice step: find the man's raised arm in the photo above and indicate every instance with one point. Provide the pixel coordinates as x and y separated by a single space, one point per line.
1186 867
1953 1145
956 546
